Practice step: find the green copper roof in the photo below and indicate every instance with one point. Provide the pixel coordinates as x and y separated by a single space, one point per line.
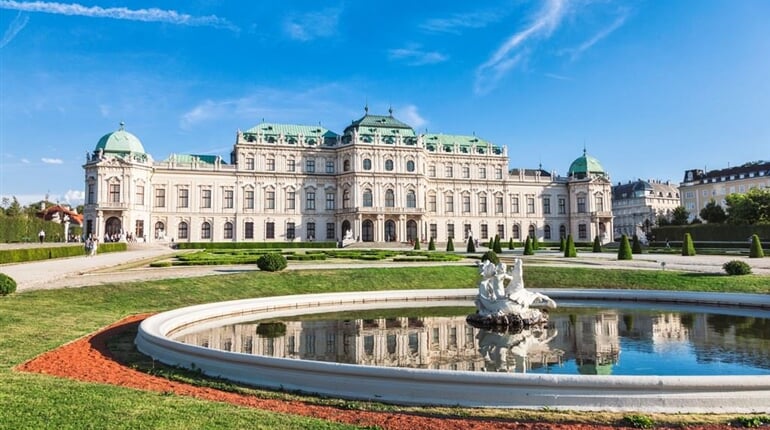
189 158
292 130
584 166
120 141
446 143
385 125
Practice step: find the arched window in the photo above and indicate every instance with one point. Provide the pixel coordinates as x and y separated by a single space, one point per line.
547 232
410 166
346 165
367 164
388 165
532 231
562 231
183 232
390 199
205 230
516 232
346 199
228 230
411 199
367 198
160 230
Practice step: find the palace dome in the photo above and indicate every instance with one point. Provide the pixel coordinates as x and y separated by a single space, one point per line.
120 141
585 166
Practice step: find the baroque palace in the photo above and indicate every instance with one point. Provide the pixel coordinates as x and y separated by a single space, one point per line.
378 181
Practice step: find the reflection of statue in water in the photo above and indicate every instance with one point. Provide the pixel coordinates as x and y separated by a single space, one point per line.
501 305
513 351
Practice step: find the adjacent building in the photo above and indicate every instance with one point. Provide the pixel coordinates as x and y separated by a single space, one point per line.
637 205
377 181
699 187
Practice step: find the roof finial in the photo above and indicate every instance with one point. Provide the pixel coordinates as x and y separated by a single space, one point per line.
584 148
122 125
366 106
390 110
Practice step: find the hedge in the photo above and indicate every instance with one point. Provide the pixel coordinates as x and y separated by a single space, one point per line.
713 233
253 245
46 253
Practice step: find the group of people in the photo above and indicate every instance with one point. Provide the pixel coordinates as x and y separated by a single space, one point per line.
91 243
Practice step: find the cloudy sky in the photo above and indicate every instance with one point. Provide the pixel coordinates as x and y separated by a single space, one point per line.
650 88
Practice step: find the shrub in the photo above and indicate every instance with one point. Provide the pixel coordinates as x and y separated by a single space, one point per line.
271 262
639 421
471 246
636 246
490 256
624 251
569 248
7 285
562 244
510 244
535 243
736 267
756 247
528 247
450 246
688 248
497 248
431 245
597 245
416 243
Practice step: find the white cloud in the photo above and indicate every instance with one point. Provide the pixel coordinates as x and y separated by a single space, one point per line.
25 161
558 77
52 160
71 197
575 53
145 15
512 52
409 115
455 23
14 28
74 197
414 56
312 25
104 110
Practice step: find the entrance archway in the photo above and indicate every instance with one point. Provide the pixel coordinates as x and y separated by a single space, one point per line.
367 231
112 227
345 229
160 231
390 230
411 230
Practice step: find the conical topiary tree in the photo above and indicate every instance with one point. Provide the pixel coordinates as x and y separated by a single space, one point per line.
756 248
416 244
535 243
471 247
624 252
450 246
562 244
510 243
491 243
597 244
569 248
528 247
496 247
431 245
688 248
636 245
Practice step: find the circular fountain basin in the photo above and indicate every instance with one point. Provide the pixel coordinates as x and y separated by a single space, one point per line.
734 394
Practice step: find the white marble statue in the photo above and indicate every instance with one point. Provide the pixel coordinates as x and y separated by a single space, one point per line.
501 292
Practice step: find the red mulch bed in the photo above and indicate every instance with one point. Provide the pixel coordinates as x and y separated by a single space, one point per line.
89 359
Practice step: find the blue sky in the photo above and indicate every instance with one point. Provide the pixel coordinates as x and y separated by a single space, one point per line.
651 88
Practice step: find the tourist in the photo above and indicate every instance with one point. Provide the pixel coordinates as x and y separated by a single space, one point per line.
41 236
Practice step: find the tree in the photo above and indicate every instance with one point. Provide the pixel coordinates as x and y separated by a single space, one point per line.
597 244
680 216
450 246
756 248
569 250
688 248
510 243
535 243
713 213
528 247
636 245
562 244
624 252
416 244
750 208
491 244
14 209
471 247
496 246
431 245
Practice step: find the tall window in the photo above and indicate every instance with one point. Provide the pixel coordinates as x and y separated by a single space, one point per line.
248 200
290 231
346 199
466 204
367 198
205 230
310 231
270 230
389 165
599 203
291 200
483 204
516 232
91 195
432 171
547 232
114 193
291 165
329 200
482 173
466 230
228 230
530 205
581 204
562 231
498 173
432 203
271 164
448 171
330 231
249 163
184 196
329 166
434 231
310 200
206 199
182 230
466 172
449 203
532 231
499 205
248 230
450 231
514 205
140 195
501 231
346 165
390 199
484 231
410 166
228 199
582 232
310 166
160 197
562 206
367 164
270 200
411 199
546 205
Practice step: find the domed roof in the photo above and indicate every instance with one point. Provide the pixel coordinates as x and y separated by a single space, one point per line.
120 141
585 166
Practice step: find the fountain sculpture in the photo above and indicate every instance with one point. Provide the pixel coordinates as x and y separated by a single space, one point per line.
503 302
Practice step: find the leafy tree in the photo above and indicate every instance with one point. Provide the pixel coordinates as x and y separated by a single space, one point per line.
636 245
450 246
688 248
471 247
569 250
510 243
597 244
713 213
680 216
431 245
14 209
496 246
528 247
624 252
662 221
756 248
491 257
750 208
416 244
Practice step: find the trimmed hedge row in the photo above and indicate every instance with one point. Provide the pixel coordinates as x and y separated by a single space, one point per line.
713 233
253 245
21 255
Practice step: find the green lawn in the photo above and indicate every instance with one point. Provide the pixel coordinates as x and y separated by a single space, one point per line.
34 322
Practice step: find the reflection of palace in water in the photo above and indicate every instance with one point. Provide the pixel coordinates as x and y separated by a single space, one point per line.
449 343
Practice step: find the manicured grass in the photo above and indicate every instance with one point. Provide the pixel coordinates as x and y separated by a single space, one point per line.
35 322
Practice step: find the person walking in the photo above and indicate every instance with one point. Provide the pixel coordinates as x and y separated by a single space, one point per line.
41 236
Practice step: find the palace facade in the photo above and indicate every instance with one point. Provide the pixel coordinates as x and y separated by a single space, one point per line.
378 181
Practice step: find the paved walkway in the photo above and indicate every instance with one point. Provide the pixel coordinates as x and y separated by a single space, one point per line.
132 265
